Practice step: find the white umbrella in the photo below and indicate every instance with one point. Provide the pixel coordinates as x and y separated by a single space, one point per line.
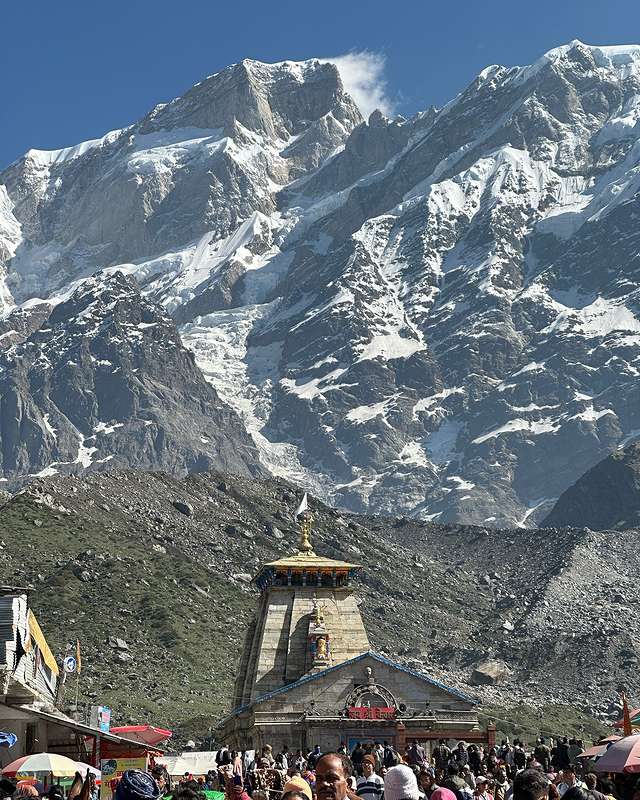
82 767
60 766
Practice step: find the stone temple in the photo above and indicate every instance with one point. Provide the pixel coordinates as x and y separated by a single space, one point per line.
308 675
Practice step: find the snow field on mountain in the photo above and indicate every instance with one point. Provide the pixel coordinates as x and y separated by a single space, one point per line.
436 316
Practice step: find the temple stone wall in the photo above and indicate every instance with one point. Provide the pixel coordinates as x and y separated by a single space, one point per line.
279 646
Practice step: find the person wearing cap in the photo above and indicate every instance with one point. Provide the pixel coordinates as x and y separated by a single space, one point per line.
296 786
569 780
136 785
370 786
482 790
400 784
265 779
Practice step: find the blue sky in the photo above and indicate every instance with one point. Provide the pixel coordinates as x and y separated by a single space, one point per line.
73 70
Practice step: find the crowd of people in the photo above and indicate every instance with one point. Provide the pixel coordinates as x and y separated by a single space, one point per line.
81 788
376 771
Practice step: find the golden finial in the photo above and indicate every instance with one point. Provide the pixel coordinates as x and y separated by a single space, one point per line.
305 547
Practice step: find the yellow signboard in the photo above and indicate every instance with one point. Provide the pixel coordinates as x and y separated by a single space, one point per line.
112 769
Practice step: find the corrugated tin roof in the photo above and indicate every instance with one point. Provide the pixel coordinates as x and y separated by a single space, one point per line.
87 730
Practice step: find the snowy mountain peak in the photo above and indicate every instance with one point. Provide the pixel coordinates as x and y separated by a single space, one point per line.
434 316
624 60
278 100
607 55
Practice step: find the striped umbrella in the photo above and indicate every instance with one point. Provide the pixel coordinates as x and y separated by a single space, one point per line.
622 756
52 763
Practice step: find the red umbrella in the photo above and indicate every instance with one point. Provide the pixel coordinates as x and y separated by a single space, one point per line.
622 756
146 734
15 766
593 752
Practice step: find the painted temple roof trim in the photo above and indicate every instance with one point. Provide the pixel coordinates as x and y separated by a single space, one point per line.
307 562
377 657
310 561
305 559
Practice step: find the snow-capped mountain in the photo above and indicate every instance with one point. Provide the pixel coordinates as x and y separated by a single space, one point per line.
434 316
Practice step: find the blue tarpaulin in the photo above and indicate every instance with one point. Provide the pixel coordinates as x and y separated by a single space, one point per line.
7 739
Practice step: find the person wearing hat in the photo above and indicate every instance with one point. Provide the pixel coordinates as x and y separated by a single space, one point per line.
482 785
296 786
135 784
400 784
369 786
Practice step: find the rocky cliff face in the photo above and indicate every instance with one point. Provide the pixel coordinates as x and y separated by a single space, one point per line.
550 618
437 316
104 381
604 498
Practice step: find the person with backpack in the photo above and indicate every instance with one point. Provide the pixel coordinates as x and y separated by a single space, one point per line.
416 756
390 757
314 756
441 755
357 754
542 754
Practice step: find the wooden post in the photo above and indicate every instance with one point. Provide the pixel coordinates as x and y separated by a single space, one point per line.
401 737
491 735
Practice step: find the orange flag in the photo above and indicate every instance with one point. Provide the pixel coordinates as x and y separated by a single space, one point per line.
78 657
626 717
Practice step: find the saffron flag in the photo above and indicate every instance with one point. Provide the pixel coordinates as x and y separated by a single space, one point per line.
78 659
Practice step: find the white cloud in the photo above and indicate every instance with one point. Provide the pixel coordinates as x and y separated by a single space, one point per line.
362 74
